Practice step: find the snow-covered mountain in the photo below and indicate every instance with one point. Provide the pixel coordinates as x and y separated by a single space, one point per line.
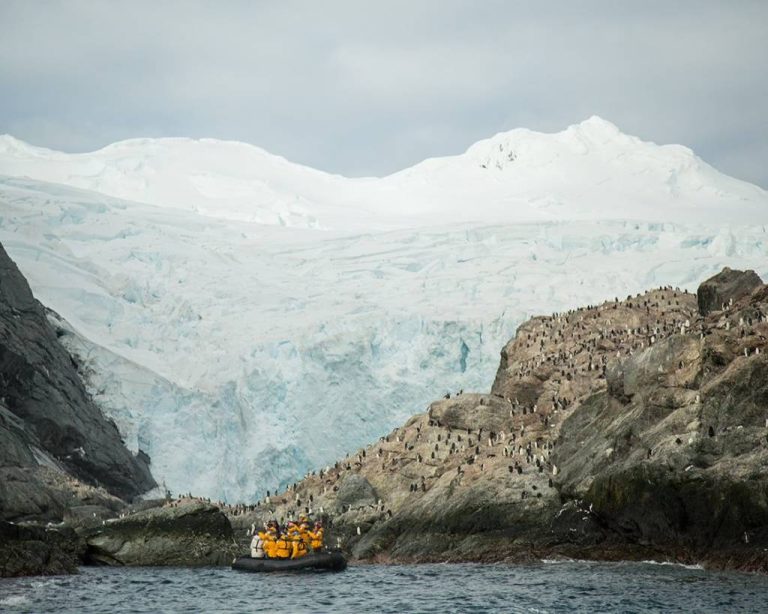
245 319
588 171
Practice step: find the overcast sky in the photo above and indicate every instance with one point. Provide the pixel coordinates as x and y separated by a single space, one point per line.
367 88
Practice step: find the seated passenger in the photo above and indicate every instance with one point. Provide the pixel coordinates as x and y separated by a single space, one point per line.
298 547
257 544
283 547
305 532
270 540
317 537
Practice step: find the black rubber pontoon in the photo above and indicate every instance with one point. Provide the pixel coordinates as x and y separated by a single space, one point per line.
324 561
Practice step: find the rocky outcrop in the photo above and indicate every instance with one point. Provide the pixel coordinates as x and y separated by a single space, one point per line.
30 550
633 429
719 291
47 417
195 534
60 458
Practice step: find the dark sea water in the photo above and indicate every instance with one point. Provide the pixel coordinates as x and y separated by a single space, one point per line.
555 587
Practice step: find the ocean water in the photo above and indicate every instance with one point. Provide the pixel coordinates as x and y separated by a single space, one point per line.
554 587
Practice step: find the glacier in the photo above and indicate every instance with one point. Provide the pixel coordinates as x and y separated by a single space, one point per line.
245 320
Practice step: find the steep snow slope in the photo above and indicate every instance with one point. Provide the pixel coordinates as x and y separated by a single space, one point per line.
588 171
239 355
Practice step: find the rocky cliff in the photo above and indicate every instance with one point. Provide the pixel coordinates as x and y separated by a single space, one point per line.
637 428
58 453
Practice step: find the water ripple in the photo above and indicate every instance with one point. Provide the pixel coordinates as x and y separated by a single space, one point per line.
538 589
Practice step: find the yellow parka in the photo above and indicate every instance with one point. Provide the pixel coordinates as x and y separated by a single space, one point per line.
270 542
299 547
306 535
316 539
283 547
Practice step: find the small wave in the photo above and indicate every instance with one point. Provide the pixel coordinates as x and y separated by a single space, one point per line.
14 600
560 561
694 566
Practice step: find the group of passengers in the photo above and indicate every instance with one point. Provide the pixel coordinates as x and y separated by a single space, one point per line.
295 541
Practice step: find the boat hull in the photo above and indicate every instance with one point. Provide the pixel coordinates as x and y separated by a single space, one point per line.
323 561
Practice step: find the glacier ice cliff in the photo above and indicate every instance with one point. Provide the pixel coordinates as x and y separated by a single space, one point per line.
240 356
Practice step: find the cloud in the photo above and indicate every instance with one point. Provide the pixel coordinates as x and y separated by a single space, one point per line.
363 88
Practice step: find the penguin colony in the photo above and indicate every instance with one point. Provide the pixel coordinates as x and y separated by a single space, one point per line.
507 437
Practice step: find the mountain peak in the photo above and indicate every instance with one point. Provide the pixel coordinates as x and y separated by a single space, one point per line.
594 130
596 127
595 122
11 143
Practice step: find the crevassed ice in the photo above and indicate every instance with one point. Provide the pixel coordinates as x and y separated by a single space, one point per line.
240 356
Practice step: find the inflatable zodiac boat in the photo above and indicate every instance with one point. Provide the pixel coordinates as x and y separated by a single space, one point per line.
323 561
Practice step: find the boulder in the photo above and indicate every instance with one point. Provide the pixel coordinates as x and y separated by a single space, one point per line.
728 285
196 534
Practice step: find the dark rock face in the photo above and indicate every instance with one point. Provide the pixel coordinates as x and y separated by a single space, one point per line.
728 285
191 535
26 551
46 415
60 458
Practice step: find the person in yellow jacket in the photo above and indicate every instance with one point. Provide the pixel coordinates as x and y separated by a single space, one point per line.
270 541
299 548
304 532
316 537
283 547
